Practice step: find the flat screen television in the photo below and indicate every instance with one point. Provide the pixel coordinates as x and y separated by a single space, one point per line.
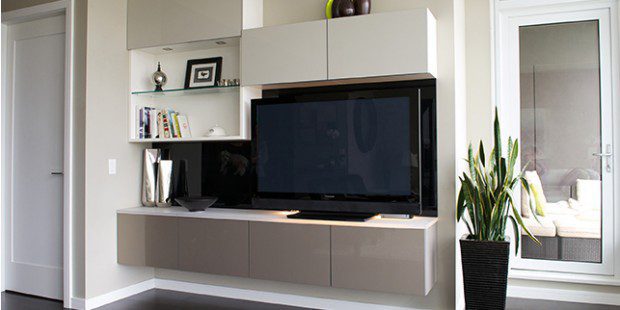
346 151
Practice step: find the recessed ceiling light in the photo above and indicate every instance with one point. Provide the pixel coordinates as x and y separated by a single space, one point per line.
167 49
220 42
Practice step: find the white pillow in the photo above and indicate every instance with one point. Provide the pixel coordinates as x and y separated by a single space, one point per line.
589 193
534 180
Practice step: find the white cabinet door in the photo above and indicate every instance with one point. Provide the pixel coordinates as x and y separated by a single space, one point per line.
166 22
382 44
144 27
284 54
197 20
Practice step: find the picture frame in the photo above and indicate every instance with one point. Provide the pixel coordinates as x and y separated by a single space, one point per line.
203 72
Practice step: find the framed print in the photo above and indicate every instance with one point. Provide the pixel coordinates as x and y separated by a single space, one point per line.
203 72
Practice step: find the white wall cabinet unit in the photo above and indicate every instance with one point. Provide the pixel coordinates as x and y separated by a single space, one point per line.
171 32
383 44
284 54
161 22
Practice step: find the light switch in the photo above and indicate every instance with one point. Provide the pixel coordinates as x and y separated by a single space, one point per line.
111 166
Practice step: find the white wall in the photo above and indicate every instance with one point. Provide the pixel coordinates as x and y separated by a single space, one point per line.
450 94
107 92
478 60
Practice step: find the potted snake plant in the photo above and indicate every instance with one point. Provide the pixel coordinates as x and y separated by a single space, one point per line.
486 204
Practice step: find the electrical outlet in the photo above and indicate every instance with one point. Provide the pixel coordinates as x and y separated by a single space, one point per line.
111 166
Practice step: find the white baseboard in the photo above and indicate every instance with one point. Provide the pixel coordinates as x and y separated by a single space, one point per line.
540 293
267 297
77 304
119 294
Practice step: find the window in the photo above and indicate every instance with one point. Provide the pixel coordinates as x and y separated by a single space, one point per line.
561 139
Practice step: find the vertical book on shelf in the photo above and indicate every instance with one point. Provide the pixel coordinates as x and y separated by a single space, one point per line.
153 123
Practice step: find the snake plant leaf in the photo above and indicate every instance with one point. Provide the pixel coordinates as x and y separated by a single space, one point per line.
520 221
497 140
517 234
472 163
481 154
533 204
460 205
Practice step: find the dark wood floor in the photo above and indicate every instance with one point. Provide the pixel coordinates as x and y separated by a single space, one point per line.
161 299
164 300
149 300
527 304
12 301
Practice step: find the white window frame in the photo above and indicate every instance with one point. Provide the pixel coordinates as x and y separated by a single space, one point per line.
509 16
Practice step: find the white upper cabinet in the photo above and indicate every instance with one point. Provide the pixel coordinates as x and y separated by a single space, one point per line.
382 44
284 54
166 22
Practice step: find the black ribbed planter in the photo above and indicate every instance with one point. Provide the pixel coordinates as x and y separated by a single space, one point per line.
485 273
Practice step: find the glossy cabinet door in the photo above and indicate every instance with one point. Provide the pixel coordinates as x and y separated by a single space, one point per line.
214 246
382 44
297 253
166 22
147 241
130 233
161 242
284 54
398 261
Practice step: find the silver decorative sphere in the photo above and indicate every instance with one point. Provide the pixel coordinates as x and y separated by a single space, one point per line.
159 78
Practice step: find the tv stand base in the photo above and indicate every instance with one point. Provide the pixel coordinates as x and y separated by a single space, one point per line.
332 216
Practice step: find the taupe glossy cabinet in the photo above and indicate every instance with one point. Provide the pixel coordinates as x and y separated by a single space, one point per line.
297 253
200 245
393 260
383 259
162 22
214 246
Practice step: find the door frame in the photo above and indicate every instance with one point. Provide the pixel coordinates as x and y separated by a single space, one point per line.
62 7
508 16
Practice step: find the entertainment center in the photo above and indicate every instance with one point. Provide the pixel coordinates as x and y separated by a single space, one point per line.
318 155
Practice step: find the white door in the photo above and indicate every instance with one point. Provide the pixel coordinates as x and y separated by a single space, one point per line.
34 136
555 91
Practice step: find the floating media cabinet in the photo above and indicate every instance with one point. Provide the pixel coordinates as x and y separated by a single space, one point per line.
384 255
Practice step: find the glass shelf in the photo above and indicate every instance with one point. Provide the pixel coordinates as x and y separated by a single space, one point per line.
184 92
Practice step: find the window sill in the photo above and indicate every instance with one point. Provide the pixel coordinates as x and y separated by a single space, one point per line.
579 278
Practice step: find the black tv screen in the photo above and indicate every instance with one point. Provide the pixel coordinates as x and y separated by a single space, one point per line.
343 150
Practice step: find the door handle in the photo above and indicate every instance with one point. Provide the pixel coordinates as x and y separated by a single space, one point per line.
56 173
605 157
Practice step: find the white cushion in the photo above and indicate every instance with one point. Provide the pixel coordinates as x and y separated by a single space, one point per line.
575 228
589 215
576 205
560 207
545 228
589 193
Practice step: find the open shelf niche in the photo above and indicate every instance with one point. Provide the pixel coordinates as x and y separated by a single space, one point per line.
225 106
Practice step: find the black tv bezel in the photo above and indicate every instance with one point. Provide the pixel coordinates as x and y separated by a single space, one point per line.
340 203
